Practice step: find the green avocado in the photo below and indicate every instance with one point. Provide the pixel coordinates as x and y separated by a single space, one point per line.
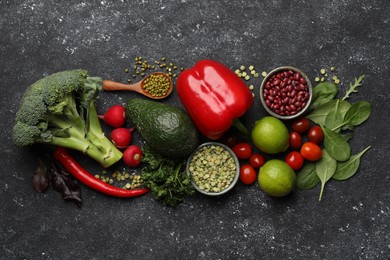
168 130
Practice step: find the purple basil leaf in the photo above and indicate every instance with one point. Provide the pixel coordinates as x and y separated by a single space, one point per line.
65 184
40 180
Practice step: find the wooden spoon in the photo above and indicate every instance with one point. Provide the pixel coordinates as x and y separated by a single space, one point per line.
110 85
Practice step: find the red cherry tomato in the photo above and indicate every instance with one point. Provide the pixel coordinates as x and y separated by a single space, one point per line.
295 140
229 139
311 151
315 134
301 125
295 160
247 174
242 150
256 160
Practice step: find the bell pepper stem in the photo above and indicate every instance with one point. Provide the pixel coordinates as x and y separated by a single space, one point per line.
240 127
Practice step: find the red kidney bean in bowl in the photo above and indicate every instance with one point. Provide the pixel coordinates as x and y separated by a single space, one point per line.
286 92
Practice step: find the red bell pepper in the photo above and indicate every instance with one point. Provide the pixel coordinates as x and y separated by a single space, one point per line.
214 97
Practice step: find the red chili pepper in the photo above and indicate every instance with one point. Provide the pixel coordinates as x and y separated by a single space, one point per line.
91 181
214 97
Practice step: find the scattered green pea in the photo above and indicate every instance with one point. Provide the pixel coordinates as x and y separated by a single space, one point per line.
264 74
212 168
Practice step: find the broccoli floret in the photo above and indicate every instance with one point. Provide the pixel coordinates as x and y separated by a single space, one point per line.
60 110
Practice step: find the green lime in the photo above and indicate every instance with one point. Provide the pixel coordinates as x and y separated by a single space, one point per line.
276 178
270 135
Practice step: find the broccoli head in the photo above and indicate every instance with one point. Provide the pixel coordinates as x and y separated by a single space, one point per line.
59 110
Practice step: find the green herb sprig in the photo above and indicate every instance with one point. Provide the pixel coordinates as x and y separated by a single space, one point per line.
337 118
165 177
353 87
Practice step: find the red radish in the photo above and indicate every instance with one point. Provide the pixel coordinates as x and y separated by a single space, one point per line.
115 116
132 156
121 137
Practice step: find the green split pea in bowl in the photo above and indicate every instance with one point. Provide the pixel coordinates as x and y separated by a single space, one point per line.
213 169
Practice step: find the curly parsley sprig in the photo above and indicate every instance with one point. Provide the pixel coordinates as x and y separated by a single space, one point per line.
165 178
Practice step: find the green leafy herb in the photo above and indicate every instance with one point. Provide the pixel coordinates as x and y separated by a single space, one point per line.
347 136
319 114
307 177
323 93
334 117
337 118
325 168
166 178
337 147
356 115
353 87
347 169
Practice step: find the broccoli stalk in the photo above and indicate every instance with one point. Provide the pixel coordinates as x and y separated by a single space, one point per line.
60 110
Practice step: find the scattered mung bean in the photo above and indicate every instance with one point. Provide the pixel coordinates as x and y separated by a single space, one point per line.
157 85
142 67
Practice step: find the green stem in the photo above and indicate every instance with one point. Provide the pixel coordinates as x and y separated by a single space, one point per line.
240 127
337 127
322 190
177 174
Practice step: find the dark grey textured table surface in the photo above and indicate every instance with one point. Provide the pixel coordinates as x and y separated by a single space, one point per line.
352 222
